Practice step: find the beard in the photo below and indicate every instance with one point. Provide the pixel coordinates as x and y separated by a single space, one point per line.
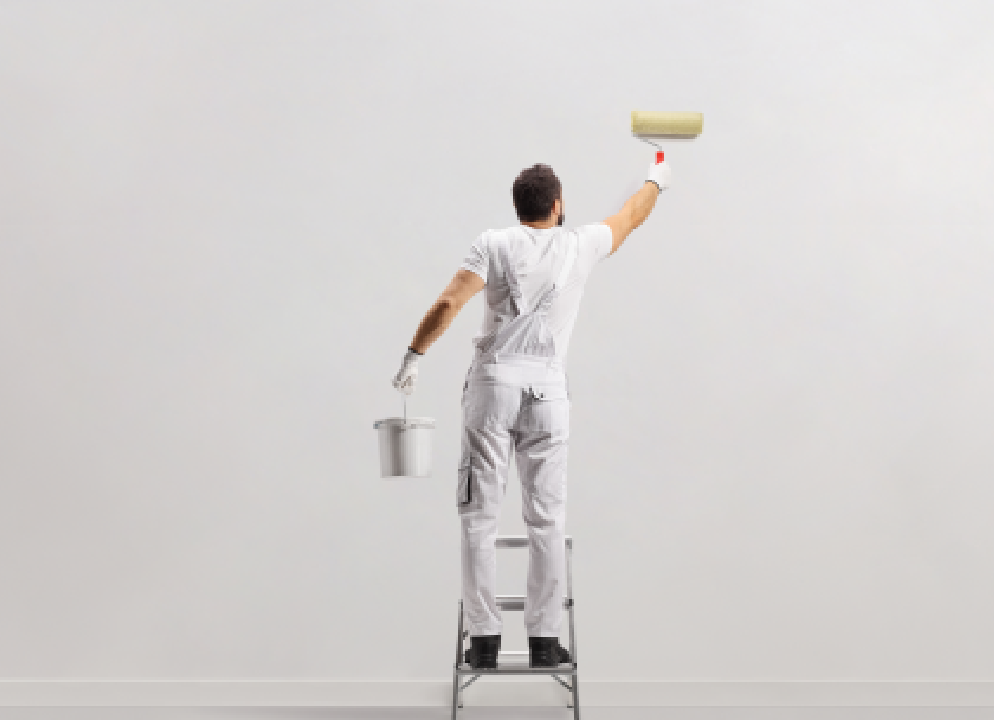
562 218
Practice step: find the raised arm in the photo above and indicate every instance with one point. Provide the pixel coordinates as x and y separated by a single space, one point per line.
637 208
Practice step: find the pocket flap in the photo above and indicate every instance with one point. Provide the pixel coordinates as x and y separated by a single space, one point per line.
548 392
464 492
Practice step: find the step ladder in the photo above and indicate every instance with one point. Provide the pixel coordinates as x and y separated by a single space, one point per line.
515 662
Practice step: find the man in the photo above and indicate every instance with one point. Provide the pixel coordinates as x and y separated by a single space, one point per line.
515 395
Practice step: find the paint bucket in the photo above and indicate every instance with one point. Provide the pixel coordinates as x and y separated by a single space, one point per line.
405 446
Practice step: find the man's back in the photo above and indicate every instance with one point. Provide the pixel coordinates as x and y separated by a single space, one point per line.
536 256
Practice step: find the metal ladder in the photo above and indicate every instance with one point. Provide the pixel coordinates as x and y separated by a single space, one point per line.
515 662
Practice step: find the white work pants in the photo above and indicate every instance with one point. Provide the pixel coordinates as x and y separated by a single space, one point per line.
524 409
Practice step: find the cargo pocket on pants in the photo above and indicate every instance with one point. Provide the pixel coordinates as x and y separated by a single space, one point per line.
467 486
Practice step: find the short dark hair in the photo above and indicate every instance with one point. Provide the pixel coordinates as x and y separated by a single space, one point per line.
535 191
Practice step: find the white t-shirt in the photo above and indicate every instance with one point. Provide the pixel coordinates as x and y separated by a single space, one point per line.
538 256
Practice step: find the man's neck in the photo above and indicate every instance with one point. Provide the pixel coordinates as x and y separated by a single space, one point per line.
544 225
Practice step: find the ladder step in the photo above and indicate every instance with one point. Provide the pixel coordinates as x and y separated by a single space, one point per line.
522 668
511 602
521 541
517 602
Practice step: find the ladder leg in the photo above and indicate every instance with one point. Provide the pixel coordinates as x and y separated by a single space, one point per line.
575 692
456 693
572 631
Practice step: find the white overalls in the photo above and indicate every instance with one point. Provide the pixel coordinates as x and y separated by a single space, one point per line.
516 397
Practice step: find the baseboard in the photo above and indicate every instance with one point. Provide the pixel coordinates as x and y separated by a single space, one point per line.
488 691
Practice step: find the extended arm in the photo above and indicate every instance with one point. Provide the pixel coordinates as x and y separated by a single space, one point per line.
637 208
436 321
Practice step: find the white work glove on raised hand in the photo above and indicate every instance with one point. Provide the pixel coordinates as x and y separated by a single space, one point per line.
659 173
408 375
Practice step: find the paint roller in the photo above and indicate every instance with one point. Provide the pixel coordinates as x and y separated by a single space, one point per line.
652 127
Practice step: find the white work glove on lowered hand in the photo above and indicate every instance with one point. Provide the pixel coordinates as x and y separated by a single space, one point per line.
659 173
408 375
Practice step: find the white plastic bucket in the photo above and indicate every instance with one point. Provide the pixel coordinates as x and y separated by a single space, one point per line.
405 446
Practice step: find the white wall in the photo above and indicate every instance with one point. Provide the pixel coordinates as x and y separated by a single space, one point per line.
221 221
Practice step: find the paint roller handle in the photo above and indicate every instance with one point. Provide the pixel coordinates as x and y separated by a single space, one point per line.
659 156
659 173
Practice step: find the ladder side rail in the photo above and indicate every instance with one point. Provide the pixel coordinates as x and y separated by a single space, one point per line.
569 598
575 680
456 692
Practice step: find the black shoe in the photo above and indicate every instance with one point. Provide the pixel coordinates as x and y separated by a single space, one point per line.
546 652
482 653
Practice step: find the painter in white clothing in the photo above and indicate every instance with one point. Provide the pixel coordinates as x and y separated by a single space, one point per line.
537 252
515 397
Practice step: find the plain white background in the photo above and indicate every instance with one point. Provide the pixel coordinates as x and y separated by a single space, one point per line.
220 223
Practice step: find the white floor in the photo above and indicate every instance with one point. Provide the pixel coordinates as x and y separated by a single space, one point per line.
494 713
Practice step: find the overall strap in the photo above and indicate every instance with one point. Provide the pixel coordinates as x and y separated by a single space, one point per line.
503 264
545 302
571 252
